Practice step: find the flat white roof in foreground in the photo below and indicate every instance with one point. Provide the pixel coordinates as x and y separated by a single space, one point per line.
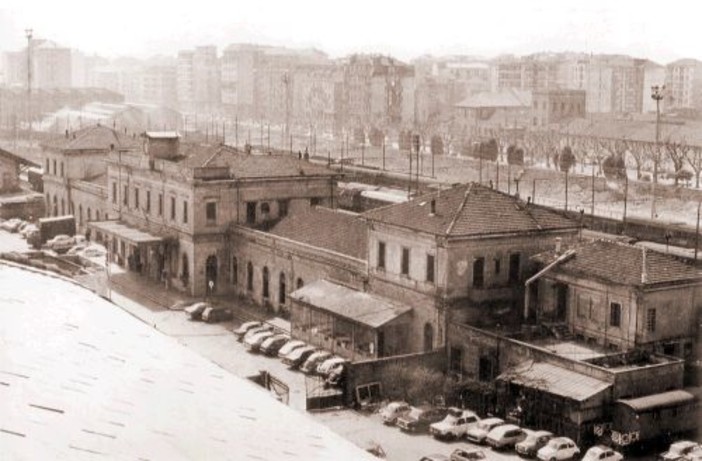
82 379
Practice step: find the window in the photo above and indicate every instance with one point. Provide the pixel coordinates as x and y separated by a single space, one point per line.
90 213
160 204
430 268
173 210
514 264
381 255
283 208
281 288
62 170
405 262
615 314
47 166
185 211
456 360
114 192
211 212
651 320
249 276
264 283
136 198
265 209
148 201
250 212
54 167
497 266
479 272
125 196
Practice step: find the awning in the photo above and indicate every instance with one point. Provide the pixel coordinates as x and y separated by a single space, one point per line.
357 306
653 401
124 232
556 380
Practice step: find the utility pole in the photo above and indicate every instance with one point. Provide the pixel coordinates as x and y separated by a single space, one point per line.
28 33
697 230
383 153
592 205
236 132
656 95
626 197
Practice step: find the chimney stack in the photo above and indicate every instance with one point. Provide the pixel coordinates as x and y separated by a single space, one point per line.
558 245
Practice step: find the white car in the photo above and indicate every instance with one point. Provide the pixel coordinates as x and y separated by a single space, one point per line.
558 449
479 432
244 328
678 450
602 453
330 364
505 436
290 346
455 425
61 243
254 341
394 410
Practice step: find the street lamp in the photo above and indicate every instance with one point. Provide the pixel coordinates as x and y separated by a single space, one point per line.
657 94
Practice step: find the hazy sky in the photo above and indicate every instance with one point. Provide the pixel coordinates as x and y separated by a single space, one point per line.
663 32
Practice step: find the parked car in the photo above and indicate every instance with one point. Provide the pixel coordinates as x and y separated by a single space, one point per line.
253 342
217 314
678 450
257 330
602 453
336 376
272 345
290 346
533 443
434 457
329 365
479 432
310 365
420 418
297 356
11 225
394 410
557 449
505 436
244 327
194 311
694 455
28 230
61 243
455 425
467 454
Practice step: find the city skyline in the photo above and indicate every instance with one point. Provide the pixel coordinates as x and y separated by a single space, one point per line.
662 35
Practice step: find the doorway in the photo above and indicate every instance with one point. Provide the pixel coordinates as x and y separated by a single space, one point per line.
211 273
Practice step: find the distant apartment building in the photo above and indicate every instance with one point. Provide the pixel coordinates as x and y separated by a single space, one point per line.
683 79
483 114
238 71
555 106
615 84
51 66
317 97
526 73
198 79
157 85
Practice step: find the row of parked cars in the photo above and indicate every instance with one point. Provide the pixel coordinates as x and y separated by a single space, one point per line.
682 450
262 337
455 423
296 354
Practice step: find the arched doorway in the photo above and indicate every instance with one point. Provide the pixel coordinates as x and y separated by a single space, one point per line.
235 271
281 289
249 276
264 283
211 273
184 269
428 337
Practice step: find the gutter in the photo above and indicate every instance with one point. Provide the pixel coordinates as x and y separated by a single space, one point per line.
562 258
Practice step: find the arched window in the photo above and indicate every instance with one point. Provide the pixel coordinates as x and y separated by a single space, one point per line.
264 283
265 208
90 215
80 214
281 288
63 207
55 210
97 215
249 276
300 283
235 271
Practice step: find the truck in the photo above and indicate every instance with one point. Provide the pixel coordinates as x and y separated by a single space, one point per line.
49 228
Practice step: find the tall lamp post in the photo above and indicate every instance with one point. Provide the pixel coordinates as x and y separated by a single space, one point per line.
657 94
29 33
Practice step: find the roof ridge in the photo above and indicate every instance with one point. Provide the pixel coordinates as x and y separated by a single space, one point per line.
460 208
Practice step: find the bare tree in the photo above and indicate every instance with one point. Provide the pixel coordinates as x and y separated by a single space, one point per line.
677 152
694 159
636 150
654 153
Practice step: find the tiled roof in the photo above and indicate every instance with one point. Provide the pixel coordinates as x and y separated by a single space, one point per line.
338 231
94 138
470 210
505 98
621 263
249 166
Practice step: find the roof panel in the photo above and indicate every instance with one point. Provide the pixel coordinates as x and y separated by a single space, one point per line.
664 399
366 308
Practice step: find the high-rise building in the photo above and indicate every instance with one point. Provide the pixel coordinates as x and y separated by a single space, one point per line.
683 80
615 84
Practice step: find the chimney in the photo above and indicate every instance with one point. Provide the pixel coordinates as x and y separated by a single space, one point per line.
433 207
644 273
558 245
